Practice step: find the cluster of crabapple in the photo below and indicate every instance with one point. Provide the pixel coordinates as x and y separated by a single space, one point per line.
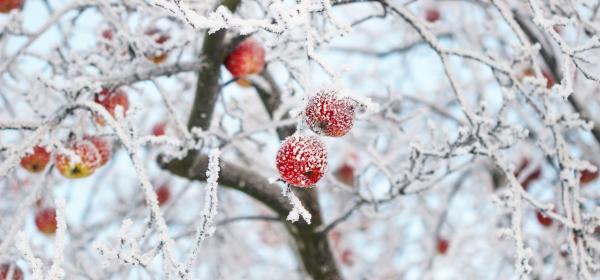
8 5
159 37
302 158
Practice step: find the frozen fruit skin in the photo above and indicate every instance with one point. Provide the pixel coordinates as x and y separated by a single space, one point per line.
328 114
17 273
588 176
543 219
110 100
442 246
107 34
345 174
248 58
103 146
432 15
302 160
159 129
89 160
8 5
163 194
160 38
45 220
36 162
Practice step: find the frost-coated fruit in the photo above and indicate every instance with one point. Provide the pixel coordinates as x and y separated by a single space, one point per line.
163 194
36 162
248 58
89 160
543 219
328 114
111 99
103 146
45 220
160 38
302 160
8 5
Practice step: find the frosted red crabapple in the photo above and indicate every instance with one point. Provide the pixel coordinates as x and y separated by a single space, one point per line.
588 176
248 58
8 5
432 15
160 38
302 160
163 193
103 146
328 114
45 220
110 100
442 246
543 219
89 160
36 162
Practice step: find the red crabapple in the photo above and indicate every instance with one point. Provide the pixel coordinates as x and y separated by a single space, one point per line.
163 194
328 114
8 5
432 15
543 219
345 174
5 272
160 38
107 34
45 220
347 257
36 162
89 160
111 99
159 129
103 146
302 160
588 176
442 246
248 58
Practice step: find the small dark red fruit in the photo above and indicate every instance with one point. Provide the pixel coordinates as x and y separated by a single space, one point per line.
442 246
6 270
36 162
347 257
107 34
8 5
328 114
345 174
163 194
302 160
543 219
588 176
45 220
159 129
432 15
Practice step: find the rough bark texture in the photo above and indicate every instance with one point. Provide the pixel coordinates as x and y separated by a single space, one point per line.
312 246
